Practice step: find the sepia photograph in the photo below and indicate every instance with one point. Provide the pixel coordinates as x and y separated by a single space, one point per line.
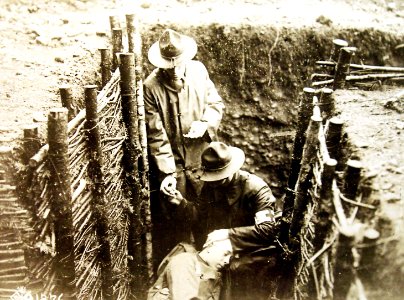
201 149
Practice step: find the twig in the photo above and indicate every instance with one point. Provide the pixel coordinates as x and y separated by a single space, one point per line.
357 203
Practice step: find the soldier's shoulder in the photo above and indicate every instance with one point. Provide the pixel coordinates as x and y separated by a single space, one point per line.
253 180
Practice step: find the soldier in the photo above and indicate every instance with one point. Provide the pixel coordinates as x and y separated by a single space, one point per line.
183 113
238 206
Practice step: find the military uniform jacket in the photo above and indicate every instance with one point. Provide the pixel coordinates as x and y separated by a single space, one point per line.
245 207
169 115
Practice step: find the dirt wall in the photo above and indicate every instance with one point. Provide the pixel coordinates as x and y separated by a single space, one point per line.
261 71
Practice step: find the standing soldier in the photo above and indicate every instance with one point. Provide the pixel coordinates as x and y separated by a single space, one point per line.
183 113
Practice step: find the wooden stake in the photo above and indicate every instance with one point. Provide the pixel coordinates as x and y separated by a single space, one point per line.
61 200
344 269
98 200
31 141
367 263
66 96
326 207
352 178
333 137
135 46
327 103
342 67
337 45
105 65
309 153
114 22
132 155
305 111
117 46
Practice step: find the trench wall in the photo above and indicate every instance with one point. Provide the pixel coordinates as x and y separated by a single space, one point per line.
260 72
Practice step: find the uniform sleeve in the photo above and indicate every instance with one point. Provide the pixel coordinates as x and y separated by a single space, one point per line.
183 282
214 106
159 145
265 231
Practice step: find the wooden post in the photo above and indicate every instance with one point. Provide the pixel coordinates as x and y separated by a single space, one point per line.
309 153
327 103
66 96
135 46
114 22
305 111
132 155
132 26
333 137
98 190
31 141
337 45
105 65
117 46
352 178
326 206
61 198
367 263
344 267
342 67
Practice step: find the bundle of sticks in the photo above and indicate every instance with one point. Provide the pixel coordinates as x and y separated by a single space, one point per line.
355 74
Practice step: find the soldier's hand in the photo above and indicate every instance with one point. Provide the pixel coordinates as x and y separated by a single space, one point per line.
197 130
176 199
169 185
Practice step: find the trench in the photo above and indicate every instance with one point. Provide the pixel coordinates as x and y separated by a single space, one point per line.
260 72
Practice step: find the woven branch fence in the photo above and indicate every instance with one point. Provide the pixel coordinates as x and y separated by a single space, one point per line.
327 245
87 189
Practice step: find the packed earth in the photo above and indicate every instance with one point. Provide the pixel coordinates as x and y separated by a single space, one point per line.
48 44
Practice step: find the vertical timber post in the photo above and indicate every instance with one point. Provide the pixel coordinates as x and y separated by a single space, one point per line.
132 155
290 238
114 22
61 203
66 97
333 137
344 272
31 141
326 207
327 103
342 67
105 65
98 189
305 111
337 45
309 152
352 178
117 46
135 46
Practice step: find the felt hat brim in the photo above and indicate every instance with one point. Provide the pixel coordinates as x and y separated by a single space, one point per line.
237 161
155 58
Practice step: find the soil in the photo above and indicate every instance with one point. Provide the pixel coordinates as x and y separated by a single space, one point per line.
46 44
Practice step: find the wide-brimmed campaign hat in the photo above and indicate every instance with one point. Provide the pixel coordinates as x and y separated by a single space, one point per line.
219 161
172 49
